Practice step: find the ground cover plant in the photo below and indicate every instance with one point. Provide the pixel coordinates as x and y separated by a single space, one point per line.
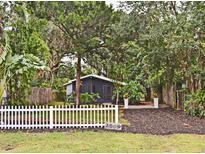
195 105
84 97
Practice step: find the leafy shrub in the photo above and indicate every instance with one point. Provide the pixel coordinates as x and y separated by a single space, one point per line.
84 98
195 105
134 90
58 89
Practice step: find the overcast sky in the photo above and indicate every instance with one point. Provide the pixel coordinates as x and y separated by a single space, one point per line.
113 3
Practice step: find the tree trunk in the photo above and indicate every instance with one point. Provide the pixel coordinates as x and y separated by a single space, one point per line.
148 94
52 78
190 83
117 97
78 69
159 94
11 93
169 94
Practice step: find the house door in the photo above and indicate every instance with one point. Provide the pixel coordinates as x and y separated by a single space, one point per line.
107 92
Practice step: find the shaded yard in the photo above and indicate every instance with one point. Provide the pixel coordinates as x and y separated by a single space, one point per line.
89 141
162 121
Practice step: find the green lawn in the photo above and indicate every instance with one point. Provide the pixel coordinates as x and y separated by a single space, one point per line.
89 141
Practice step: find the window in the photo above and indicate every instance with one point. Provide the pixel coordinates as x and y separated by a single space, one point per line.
107 92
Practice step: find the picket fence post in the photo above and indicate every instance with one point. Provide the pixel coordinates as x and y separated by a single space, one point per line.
116 114
51 117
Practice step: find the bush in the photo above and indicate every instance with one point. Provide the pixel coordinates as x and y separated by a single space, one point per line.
134 90
59 89
84 98
195 105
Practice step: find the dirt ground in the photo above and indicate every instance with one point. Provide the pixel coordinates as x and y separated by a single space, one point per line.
162 121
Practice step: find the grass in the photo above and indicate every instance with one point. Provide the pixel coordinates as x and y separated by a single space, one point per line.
56 103
89 141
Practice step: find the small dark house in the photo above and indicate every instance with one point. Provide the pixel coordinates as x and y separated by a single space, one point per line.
94 84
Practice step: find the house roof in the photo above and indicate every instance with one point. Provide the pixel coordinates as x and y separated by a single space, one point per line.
97 76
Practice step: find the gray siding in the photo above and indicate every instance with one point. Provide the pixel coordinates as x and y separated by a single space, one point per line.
95 85
100 86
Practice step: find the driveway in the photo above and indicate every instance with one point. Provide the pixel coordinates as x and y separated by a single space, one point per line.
162 121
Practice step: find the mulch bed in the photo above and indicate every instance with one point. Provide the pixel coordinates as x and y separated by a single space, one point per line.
162 121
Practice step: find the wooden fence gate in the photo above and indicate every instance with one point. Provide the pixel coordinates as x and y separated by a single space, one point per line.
40 117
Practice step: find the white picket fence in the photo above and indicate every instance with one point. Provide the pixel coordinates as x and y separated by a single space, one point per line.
40 117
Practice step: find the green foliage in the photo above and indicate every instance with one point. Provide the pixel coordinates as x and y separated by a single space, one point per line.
89 98
168 46
84 97
195 105
59 89
5 61
134 89
154 44
84 26
27 54
2 86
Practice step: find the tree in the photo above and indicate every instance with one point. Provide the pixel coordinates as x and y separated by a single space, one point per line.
58 61
24 52
83 24
171 53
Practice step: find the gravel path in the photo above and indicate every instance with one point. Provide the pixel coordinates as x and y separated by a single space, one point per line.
162 121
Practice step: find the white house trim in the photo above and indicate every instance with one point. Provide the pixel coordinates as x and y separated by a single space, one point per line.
97 76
